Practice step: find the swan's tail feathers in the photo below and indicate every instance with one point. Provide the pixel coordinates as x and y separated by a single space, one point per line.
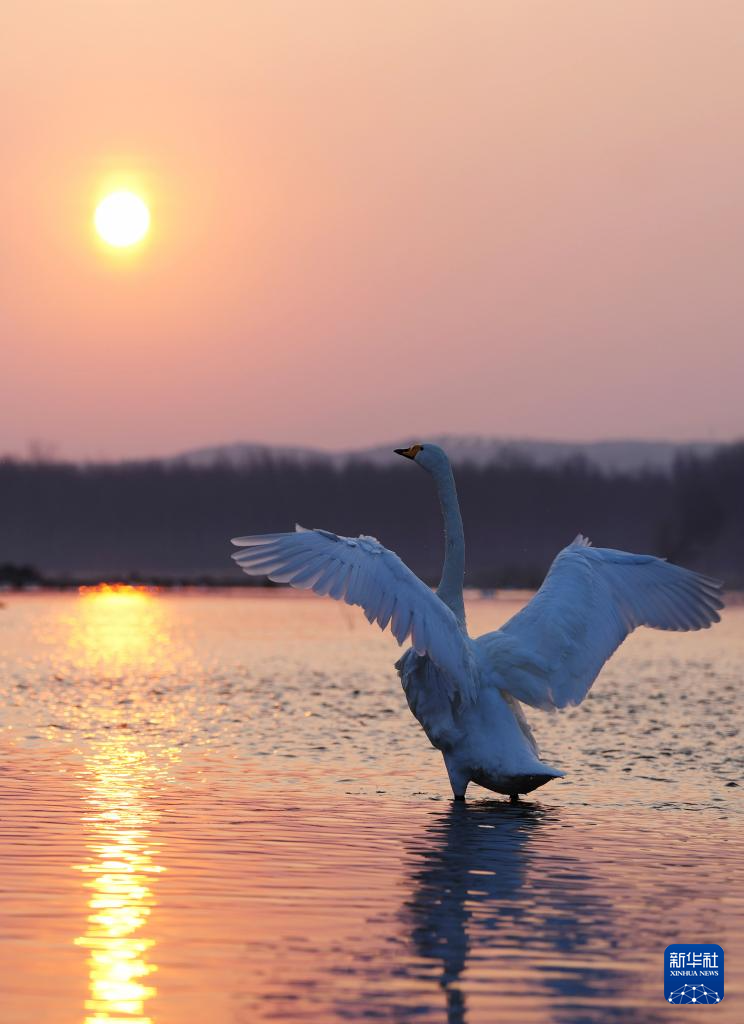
517 783
520 784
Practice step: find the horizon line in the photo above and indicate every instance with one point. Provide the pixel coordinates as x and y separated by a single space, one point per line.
47 451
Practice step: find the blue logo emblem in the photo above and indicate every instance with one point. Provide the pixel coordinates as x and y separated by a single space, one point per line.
693 973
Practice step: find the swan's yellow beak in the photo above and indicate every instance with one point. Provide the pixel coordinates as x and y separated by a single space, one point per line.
409 453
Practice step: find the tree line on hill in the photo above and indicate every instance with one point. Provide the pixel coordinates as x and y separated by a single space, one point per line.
149 521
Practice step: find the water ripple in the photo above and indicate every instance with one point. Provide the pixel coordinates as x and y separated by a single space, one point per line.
219 808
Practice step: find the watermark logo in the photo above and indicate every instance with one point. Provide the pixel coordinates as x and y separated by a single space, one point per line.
693 973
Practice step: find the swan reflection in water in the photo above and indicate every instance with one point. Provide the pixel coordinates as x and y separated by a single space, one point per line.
497 896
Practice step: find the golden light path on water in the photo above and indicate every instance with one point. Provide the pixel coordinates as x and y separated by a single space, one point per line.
120 877
115 636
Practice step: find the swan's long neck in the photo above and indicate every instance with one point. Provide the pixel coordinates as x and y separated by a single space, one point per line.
453 571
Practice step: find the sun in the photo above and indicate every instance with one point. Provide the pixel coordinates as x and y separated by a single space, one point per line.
122 219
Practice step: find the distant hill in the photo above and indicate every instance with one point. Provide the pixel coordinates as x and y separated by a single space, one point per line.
605 456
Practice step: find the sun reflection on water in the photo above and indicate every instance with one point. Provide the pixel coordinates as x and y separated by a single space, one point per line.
119 638
120 631
120 874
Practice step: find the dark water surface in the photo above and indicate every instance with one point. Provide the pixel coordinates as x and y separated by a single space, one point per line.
218 808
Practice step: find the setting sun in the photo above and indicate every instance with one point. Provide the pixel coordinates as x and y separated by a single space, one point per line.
122 219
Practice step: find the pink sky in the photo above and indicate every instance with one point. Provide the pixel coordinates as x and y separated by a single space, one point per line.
372 219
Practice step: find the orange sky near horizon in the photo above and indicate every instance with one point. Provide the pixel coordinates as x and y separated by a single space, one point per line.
372 220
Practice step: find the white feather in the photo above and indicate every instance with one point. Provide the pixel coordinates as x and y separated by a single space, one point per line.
549 654
361 571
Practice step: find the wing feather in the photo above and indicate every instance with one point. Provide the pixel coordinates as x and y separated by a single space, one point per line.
361 571
549 654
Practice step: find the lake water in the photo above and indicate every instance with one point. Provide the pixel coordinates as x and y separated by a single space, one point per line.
217 808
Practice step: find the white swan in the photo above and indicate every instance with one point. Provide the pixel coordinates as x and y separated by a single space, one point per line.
466 692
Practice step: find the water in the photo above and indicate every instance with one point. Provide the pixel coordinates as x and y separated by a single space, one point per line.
218 808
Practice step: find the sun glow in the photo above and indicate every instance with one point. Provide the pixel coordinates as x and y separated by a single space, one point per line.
126 591
122 219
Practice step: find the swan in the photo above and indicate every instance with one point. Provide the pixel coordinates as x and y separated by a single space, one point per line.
467 693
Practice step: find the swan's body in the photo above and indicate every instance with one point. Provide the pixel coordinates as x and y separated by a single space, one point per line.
466 692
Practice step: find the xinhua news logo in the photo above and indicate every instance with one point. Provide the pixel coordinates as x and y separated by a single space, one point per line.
693 973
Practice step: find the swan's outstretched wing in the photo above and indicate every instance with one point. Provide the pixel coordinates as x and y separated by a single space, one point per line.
361 571
549 654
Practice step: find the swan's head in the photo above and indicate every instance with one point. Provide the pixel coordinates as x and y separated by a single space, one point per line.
429 456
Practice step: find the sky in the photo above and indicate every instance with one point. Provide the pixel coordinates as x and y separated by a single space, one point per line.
371 219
